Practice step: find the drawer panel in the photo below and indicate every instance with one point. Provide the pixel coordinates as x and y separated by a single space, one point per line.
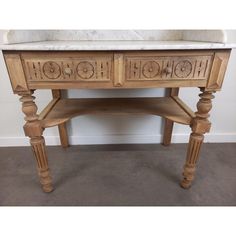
84 68
151 68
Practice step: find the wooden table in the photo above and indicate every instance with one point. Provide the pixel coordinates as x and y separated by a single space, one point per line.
57 70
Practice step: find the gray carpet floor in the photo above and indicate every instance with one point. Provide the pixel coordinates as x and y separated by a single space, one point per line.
119 175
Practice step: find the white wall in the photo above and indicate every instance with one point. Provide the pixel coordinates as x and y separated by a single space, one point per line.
120 129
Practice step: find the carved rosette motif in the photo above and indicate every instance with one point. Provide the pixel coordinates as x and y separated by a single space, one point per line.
85 70
151 69
142 69
51 70
97 69
183 69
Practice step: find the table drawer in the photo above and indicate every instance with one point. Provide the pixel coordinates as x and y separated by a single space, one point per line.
87 68
156 68
152 68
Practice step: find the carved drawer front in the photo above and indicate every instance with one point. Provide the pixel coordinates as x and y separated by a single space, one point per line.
81 68
148 68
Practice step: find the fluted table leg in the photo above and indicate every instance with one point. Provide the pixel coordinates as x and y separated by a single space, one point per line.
34 130
200 126
38 147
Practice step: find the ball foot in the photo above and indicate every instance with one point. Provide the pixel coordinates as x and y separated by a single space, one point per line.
47 188
185 184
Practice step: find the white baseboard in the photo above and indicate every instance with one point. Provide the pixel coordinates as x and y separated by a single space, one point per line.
118 139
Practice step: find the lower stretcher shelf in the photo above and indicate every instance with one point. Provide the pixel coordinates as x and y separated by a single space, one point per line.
61 110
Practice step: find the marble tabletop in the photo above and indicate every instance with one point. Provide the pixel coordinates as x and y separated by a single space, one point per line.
64 45
79 40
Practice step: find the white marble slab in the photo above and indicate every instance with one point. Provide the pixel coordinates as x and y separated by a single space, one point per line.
114 39
217 36
114 45
115 35
20 36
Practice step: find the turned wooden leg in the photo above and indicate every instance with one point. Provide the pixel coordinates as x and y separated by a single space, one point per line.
34 130
56 93
168 125
200 126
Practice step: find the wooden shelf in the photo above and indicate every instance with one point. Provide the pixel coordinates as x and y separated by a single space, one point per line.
61 110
